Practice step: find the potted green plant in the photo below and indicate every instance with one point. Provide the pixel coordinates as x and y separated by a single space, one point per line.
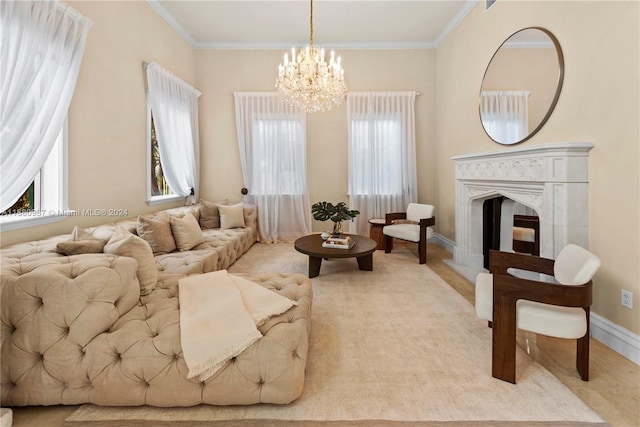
323 211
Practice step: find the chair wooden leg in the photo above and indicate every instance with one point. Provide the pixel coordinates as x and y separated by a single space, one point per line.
422 251
503 363
582 357
388 242
582 352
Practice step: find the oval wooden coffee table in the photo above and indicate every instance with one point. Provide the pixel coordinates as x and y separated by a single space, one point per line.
311 245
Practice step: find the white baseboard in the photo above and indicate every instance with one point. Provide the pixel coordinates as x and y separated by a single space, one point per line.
444 242
614 336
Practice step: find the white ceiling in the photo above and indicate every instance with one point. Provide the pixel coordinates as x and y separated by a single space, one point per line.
280 24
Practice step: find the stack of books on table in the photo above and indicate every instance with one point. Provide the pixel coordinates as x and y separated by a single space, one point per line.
345 242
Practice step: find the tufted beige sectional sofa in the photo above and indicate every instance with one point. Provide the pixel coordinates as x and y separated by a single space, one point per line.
75 329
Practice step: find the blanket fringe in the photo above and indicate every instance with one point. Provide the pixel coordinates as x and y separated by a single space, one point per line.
209 367
277 312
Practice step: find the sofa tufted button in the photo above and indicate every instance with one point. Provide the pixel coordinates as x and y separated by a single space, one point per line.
176 356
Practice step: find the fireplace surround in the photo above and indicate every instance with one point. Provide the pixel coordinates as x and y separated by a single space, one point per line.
551 179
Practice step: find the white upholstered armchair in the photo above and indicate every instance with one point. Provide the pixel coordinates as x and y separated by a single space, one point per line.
558 309
416 229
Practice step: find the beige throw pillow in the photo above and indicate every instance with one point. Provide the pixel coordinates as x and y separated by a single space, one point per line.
80 242
124 243
157 232
181 213
232 216
209 213
186 232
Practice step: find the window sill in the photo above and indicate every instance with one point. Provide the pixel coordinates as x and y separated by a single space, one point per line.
33 219
158 200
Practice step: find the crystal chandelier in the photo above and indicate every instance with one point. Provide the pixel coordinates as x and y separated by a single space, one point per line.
308 81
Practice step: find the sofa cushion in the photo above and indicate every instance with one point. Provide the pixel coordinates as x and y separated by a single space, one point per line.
209 213
157 232
231 216
184 210
80 242
124 243
186 232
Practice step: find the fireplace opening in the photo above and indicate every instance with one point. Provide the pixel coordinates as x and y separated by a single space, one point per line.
521 231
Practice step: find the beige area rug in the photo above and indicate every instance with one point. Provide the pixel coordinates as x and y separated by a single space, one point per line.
396 346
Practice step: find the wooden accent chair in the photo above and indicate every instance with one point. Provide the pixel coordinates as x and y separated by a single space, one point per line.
558 309
417 227
526 234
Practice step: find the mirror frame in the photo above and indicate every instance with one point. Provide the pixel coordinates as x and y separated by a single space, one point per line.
556 96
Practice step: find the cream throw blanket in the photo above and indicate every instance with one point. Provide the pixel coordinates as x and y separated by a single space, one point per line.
219 316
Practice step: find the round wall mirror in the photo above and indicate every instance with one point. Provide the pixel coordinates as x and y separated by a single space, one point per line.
521 86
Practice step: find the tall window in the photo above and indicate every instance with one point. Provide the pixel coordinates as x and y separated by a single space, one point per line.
377 146
382 165
272 144
173 149
42 46
276 177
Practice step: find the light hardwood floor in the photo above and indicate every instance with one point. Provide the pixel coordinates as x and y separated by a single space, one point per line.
613 389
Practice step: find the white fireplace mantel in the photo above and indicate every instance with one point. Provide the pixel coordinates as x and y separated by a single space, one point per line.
548 178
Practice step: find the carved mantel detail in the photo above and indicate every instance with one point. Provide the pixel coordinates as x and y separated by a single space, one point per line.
549 178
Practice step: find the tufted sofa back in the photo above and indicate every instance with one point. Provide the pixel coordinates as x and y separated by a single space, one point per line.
36 249
50 310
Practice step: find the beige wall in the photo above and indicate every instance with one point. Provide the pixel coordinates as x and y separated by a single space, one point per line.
107 116
599 103
222 72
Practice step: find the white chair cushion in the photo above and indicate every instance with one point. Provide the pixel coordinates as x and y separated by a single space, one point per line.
545 319
575 265
409 232
524 234
417 211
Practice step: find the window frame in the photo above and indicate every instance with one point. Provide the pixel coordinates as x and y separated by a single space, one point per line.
51 195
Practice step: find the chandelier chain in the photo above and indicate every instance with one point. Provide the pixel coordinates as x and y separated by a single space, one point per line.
311 24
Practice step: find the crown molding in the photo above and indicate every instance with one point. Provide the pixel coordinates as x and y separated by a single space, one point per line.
160 10
334 46
455 21
378 45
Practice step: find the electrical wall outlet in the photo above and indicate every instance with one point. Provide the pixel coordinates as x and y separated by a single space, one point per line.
626 298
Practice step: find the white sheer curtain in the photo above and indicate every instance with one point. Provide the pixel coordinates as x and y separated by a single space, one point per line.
505 114
382 154
174 105
272 143
42 47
